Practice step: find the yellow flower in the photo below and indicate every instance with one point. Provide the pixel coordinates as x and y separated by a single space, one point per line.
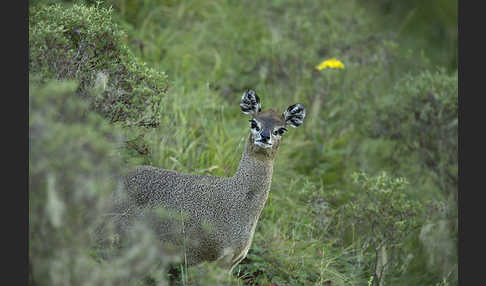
331 63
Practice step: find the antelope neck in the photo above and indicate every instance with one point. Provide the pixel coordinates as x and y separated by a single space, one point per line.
254 176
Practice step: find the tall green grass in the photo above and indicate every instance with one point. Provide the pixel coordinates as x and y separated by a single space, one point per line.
212 50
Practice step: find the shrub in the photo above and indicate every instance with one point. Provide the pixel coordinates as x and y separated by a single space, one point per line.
83 43
420 118
377 222
72 171
410 130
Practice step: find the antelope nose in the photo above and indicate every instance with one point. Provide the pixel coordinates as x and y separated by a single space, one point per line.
265 135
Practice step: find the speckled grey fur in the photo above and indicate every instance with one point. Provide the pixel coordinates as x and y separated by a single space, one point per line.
209 218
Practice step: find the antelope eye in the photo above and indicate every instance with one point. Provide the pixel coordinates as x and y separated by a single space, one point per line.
254 125
279 131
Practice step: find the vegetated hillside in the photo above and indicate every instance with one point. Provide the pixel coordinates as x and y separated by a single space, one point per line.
84 44
72 172
390 113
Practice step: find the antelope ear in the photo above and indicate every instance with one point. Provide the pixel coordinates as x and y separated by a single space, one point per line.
250 102
294 115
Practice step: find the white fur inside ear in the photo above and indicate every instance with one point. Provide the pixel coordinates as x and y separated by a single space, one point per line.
250 102
294 115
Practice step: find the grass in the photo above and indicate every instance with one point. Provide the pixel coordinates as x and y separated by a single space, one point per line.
211 51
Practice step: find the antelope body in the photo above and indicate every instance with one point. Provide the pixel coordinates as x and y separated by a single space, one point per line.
211 218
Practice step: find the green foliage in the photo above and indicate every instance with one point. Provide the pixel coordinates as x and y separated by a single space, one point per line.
83 43
430 25
377 221
290 244
208 274
189 145
411 131
421 119
72 171
388 110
